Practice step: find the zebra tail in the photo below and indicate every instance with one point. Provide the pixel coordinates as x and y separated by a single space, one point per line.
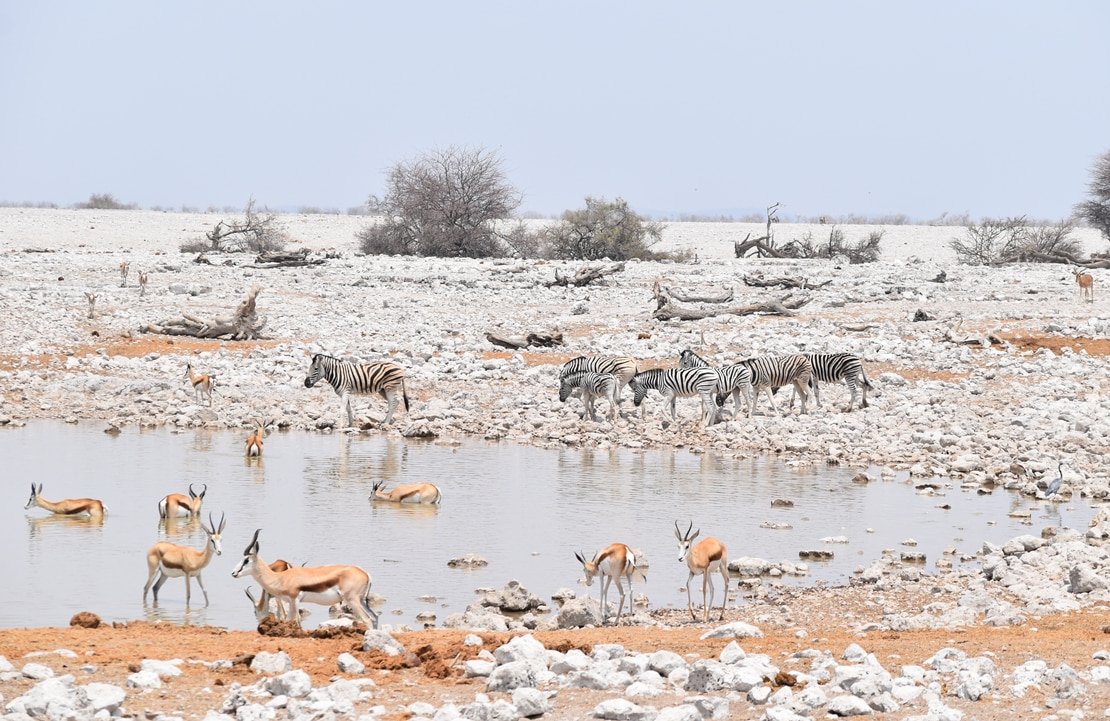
405 395
866 382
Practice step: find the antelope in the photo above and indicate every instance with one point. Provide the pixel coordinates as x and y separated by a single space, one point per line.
91 298
410 493
326 584
707 557
169 560
610 563
202 384
1086 283
69 507
262 605
142 282
176 504
254 443
124 267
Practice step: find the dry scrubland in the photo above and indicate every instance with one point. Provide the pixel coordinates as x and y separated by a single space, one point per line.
975 415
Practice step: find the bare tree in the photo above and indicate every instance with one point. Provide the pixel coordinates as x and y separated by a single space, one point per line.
1096 211
1011 240
255 234
444 203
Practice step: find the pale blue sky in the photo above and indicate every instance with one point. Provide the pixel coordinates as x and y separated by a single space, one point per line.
993 108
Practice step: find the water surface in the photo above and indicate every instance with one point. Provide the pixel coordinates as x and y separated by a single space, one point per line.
526 510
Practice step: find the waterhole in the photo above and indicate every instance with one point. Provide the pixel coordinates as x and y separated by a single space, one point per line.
525 510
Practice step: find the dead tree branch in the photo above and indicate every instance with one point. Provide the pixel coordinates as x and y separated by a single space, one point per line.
669 310
585 275
682 297
244 325
545 340
759 281
286 260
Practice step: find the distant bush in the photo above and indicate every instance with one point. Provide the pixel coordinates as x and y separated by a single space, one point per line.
602 229
255 233
995 241
105 201
446 203
27 204
863 251
314 210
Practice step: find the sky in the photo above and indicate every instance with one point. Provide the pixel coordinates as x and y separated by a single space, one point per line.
993 108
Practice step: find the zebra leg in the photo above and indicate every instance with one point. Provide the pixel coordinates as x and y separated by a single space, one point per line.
709 408
770 398
670 396
588 399
851 383
816 391
394 401
801 392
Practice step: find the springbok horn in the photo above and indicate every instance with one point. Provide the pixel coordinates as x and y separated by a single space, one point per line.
253 544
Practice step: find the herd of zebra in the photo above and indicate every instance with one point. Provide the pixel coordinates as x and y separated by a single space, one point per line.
594 377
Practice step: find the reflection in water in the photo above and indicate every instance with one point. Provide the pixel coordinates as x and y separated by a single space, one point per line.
525 510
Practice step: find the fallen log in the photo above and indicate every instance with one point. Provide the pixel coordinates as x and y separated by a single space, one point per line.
585 275
286 260
545 340
669 310
761 248
244 325
685 298
758 281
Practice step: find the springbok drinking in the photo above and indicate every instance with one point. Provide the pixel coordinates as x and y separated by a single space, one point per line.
329 584
610 563
176 504
408 493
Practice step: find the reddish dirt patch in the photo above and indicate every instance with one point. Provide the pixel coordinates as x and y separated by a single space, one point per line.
1056 344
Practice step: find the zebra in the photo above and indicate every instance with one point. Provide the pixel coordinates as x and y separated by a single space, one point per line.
620 366
735 378
770 372
593 385
833 368
348 379
675 382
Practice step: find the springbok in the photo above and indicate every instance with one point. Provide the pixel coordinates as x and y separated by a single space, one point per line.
329 584
202 384
176 504
254 443
264 605
706 558
69 507
1086 283
169 560
142 282
410 493
611 563
124 267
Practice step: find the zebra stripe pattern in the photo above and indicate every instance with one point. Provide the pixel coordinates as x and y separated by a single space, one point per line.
833 368
593 386
674 383
347 379
770 372
622 367
735 379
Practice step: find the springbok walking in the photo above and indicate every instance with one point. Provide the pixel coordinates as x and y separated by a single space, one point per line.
176 504
611 563
142 282
169 560
69 507
124 267
330 584
202 384
1086 283
409 493
704 559
347 379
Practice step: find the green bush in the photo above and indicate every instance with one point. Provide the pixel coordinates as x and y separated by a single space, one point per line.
602 229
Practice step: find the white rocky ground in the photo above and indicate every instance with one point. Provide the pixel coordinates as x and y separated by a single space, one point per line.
981 414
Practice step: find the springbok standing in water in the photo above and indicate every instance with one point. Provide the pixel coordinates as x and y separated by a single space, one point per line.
169 560
69 507
409 493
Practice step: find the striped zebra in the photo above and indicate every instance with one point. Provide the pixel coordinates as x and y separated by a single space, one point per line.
592 385
347 379
735 379
679 382
620 366
833 368
769 372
